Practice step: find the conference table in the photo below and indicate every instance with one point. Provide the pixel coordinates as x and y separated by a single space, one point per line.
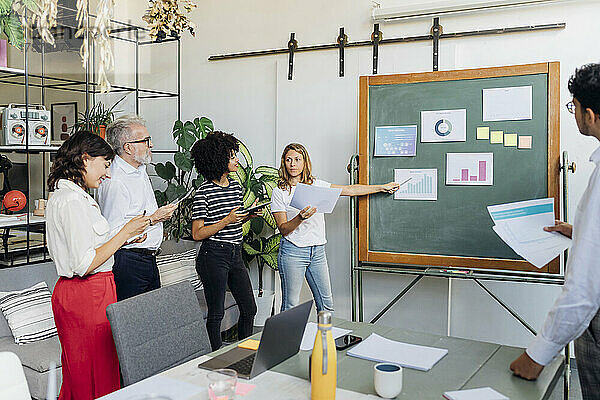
468 364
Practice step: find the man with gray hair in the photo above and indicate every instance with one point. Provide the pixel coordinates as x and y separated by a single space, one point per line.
129 193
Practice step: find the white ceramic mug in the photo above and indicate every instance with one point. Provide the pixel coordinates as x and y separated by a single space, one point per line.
387 378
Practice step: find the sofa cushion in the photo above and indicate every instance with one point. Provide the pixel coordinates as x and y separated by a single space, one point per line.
29 313
36 356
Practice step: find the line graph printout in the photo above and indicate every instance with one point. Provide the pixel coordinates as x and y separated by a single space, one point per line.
416 184
472 169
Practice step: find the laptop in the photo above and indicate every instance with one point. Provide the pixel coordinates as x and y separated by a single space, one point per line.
280 340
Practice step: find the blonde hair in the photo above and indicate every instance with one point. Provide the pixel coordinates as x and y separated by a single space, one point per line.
305 176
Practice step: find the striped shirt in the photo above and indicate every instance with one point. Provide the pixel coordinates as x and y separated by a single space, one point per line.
212 203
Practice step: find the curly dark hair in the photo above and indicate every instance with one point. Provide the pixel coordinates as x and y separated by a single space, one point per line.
584 85
211 154
68 163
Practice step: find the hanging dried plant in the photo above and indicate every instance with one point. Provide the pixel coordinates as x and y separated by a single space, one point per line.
100 35
38 13
165 18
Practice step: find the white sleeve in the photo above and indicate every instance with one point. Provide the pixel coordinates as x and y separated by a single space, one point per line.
79 235
278 201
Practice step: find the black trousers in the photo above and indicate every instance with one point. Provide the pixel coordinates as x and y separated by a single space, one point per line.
220 265
134 273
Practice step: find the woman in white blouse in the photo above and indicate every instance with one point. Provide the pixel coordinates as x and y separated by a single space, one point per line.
79 244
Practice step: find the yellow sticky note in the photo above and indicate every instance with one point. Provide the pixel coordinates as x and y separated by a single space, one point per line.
496 136
250 344
483 132
510 139
525 142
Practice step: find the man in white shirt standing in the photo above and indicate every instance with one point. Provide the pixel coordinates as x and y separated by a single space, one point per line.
129 193
575 313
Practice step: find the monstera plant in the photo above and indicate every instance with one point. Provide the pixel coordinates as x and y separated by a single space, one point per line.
260 243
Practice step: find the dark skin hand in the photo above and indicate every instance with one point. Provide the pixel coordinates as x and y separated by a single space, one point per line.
524 367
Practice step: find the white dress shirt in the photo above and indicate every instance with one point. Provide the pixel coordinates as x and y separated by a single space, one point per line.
75 228
580 298
126 194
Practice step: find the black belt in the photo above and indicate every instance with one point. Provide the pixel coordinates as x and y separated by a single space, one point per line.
145 252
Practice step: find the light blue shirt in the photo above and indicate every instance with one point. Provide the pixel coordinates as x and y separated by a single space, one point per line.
126 194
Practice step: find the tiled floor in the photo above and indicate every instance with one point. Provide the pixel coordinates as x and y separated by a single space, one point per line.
575 390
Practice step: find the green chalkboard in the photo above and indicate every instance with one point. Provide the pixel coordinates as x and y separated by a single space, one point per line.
457 224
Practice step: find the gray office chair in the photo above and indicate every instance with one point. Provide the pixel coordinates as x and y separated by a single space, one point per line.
157 330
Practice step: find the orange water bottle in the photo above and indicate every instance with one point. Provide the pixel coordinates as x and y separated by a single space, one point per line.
323 367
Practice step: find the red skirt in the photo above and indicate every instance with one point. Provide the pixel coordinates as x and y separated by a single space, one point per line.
90 367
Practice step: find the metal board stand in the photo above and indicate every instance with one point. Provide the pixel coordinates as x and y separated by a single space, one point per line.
359 267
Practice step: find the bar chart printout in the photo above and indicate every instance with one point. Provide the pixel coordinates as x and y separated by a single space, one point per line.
416 184
474 169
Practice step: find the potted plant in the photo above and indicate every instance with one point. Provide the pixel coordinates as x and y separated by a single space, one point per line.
261 243
96 118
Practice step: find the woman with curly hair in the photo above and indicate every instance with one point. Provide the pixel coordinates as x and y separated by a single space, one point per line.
79 244
302 247
217 222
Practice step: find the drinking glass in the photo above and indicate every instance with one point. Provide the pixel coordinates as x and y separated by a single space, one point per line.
221 384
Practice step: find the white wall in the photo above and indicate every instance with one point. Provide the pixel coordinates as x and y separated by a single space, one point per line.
253 99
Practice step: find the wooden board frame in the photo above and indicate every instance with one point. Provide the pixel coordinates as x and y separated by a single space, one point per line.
552 69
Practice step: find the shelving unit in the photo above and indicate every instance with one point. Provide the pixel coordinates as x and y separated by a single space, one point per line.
85 90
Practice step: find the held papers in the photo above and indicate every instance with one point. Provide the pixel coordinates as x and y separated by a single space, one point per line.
380 349
308 340
521 225
322 198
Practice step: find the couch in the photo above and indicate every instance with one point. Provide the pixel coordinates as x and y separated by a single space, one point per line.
36 357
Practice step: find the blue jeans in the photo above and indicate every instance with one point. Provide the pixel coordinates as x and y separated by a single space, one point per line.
294 264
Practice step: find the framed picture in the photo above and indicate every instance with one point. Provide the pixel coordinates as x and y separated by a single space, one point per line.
64 117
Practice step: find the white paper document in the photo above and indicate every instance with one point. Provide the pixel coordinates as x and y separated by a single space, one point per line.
377 348
485 393
444 126
157 385
308 340
521 226
507 104
322 198
470 169
416 184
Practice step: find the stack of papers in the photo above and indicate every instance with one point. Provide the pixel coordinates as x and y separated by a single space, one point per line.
521 226
485 393
322 198
380 349
308 340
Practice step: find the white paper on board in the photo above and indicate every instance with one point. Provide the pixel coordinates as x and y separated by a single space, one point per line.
508 104
444 126
470 169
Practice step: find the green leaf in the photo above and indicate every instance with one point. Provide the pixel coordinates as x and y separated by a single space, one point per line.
172 192
183 161
12 28
269 185
249 249
272 244
198 181
249 198
245 228
270 260
161 198
257 225
267 215
177 129
165 171
204 126
246 153
267 170
240 177
186 140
